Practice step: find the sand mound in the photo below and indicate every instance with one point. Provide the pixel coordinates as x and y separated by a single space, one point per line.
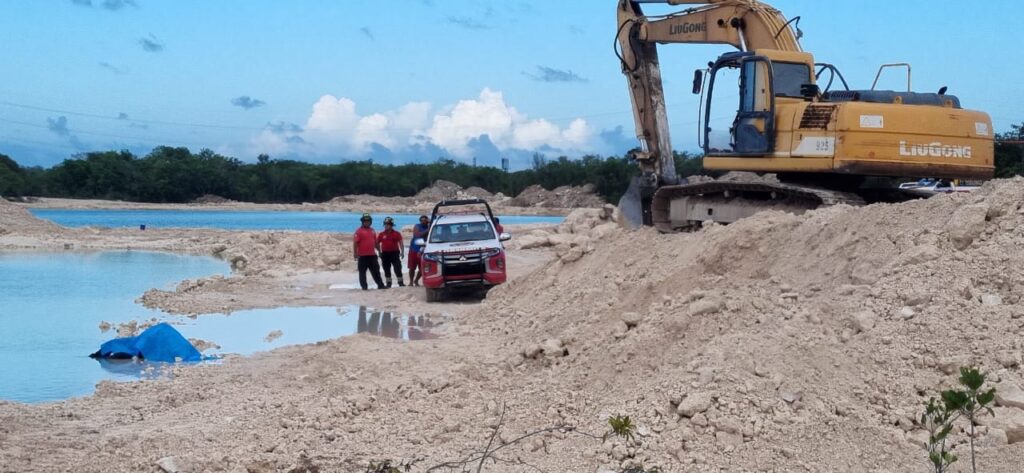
815 337
15 218
439 190
478 192
560 197
212 199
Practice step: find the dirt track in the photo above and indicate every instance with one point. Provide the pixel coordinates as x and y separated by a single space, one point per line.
779 343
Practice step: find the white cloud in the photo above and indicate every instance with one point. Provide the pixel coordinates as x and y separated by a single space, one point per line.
335 125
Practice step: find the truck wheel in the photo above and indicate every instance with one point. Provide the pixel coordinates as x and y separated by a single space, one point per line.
435 295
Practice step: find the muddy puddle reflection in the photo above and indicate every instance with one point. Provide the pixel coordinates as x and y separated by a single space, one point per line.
392 325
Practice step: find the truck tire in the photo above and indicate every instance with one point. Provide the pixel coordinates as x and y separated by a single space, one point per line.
435 295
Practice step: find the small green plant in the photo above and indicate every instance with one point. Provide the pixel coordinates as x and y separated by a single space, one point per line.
622 427
970 401
936 419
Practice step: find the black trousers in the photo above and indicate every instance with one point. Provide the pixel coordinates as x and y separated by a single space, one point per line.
369 262
392 259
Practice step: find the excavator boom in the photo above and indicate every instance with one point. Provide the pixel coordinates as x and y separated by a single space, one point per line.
740 23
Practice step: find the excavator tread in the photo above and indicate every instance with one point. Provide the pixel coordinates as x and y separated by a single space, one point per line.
811 197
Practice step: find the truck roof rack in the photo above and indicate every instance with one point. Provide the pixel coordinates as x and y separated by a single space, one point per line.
455 203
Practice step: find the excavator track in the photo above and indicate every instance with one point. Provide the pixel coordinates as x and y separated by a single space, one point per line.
684 207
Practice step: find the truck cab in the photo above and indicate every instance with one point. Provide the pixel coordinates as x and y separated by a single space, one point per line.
462 251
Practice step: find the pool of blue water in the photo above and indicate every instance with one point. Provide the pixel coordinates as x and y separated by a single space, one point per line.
52 304
240 220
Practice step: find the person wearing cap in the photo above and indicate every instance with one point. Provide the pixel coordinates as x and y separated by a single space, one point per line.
418 231
389 244
364 248
497 226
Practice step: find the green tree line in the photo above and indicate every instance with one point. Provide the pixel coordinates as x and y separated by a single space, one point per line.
175 175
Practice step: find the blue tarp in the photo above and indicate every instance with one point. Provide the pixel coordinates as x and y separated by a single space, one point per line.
160 342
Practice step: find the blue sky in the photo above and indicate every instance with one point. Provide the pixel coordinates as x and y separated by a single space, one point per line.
410 80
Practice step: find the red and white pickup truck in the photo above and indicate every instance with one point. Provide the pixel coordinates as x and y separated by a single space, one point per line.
462 251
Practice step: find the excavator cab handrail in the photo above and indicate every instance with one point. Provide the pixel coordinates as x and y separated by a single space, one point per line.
884 66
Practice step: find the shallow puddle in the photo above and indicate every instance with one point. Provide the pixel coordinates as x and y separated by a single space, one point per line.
249 331
52 304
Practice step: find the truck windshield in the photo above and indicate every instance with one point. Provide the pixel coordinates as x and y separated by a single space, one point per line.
456 232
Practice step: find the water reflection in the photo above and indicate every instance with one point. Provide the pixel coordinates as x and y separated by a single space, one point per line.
134 368
391 325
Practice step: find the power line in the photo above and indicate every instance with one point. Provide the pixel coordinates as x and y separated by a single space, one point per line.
135 120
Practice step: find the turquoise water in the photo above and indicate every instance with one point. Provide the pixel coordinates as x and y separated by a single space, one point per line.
239 220
51 306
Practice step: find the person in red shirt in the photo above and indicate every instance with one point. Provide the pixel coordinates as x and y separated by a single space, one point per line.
497 226
389 244
364 249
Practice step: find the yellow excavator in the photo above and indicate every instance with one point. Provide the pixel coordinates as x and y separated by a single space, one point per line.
825 145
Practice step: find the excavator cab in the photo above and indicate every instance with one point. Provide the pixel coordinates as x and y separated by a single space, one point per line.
753 129
763 77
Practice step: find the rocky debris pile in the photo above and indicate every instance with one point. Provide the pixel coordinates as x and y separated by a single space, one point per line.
15 218
576 235
212 199
439 190
743 176
477 193
787 342
561 197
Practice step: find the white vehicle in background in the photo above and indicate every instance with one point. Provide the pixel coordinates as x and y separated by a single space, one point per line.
930 187
462 251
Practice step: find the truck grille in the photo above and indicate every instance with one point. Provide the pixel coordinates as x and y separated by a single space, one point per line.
817 116
463 264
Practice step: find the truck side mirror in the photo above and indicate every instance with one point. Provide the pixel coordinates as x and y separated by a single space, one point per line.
698 81
504 237
419 242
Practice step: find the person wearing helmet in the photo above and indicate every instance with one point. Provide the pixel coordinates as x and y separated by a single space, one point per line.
389 244
364 249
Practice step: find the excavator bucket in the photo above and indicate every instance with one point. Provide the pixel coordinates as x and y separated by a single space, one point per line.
635 204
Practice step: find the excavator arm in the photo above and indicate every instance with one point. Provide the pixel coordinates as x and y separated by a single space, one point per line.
744 24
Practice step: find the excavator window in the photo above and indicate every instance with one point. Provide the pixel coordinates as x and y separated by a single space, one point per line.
789 77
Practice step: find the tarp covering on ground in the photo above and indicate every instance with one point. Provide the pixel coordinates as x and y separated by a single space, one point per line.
160 342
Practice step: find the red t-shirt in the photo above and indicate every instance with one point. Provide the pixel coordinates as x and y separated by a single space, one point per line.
389 240
366 239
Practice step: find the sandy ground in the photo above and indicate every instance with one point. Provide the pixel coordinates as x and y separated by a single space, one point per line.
780 343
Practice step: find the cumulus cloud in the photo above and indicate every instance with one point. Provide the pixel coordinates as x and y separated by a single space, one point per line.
151 44
247 102
505 126
485 127
550 74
